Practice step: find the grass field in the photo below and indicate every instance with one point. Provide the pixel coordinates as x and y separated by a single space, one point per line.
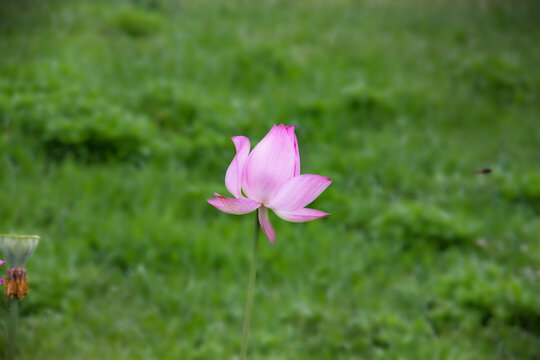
115 126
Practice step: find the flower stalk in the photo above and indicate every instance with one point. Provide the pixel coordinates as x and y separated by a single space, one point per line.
12 328
251 290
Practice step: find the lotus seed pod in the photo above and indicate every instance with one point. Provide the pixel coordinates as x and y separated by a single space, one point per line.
18 248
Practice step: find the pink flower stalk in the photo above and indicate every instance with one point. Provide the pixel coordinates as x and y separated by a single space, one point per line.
270 178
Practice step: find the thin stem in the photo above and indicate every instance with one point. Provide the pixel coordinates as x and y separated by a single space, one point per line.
251 288
12 327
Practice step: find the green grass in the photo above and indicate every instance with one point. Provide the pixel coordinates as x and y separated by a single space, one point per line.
115 119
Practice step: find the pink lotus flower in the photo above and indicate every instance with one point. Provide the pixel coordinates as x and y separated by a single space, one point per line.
270 178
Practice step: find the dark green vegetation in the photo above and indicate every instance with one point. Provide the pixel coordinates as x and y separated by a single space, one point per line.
115 119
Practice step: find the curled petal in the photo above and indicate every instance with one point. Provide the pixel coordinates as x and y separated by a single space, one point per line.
266 225
301 215
233 176
2 262
271 163
1 281
299 192
237 206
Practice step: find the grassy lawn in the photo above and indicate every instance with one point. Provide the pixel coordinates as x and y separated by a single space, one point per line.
115 126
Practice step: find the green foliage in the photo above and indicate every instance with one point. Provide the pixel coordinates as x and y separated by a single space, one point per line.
166 106
115 126
497 77
86 126
136 23
422 224
522 188
485 291
368 107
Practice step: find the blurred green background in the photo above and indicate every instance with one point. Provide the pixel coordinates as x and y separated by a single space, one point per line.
115 121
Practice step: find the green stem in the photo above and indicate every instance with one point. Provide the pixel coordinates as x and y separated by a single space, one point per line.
12 328
251 288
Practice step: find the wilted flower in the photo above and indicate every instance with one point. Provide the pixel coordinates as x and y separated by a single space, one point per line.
17 249
269 177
